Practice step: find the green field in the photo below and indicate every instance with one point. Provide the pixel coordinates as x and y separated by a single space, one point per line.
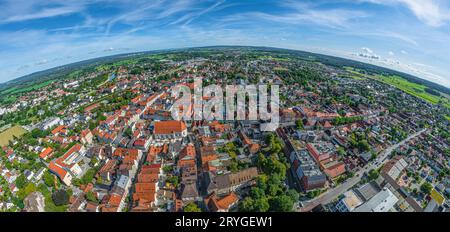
354 74
413 89
8 134
16 90
272 58
406 86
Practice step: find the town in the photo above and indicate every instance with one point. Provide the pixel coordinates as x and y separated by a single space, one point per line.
102 139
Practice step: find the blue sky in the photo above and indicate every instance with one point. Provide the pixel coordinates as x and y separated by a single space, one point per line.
407 35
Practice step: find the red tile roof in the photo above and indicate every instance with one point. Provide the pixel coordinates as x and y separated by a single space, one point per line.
45 153
169 127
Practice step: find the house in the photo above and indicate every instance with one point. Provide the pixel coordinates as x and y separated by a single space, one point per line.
169 130
189 192
108 171
395 167
48 123
86 136
224 184
224 204
66 167
46 153
333 168
146 187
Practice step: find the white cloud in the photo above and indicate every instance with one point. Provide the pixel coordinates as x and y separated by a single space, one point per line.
434 13
45 13
301 13
391 53
367 50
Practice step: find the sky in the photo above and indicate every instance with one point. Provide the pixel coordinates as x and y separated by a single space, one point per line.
412 36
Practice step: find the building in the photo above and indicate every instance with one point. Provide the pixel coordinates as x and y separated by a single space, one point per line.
308 173
383 201
86 136
349 202
66 167
395 167
46 153
48 123
169 130
230 182
224 204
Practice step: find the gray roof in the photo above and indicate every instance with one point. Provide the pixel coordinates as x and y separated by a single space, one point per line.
368 190
381 202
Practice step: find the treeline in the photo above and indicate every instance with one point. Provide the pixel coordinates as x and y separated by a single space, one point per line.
346 120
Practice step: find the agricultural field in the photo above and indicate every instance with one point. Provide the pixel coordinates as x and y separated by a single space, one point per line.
354 74
16 90
406 86
413 89
8 134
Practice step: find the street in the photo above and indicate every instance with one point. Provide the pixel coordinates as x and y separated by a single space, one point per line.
333 193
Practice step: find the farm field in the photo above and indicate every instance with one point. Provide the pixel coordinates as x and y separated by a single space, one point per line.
406 86
8 134
413 89
27 89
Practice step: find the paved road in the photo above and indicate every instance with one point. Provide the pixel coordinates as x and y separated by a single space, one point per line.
333 193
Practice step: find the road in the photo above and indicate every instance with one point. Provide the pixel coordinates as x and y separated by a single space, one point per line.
333 193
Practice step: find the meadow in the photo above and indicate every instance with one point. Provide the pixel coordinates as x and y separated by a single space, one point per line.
8 134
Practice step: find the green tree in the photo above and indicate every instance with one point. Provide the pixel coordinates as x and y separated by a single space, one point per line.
281 203
299 124
21 181
426 188
192 207
373 174
293 194
48 179
90 196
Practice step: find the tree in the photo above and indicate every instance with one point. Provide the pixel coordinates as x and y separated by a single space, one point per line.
21 181
192 207
256 193
299 124
373 174
60 197
293 194
247 205
261 205
26 191
90 196
341 151
426 188
282 203
88 176
234 166
48 179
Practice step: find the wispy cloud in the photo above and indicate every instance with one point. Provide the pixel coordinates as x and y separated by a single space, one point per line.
300 13
434 13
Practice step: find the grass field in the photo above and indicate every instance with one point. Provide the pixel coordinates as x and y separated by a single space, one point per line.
354 74
26 89
406 86
272 58
8 134
413 89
